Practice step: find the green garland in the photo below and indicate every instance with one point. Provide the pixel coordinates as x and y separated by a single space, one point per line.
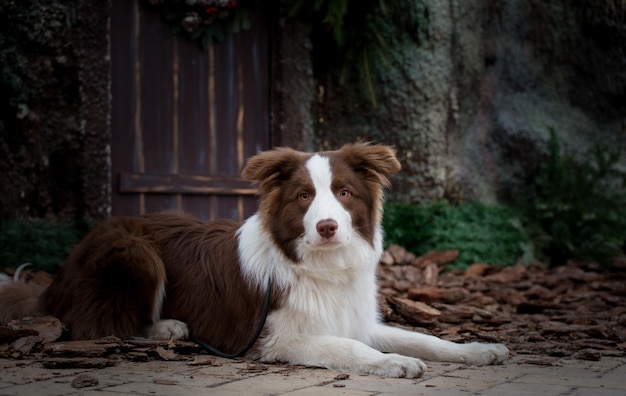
204 21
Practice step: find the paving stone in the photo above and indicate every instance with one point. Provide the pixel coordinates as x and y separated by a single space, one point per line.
568 377
460 383
50 387
523 389
605 364
521 375
277 383
596 392
615 377
329 391
175 374
371 383
439 368
428 392
152 389
23 372
227 371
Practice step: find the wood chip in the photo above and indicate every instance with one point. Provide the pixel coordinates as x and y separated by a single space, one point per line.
398 253
205 362
415 312
48 328
477 270
25 345
69 363
84 381
165 381
84 348
8 334
387 258
442 257
429 294
166 354
431 274
508 274
589 354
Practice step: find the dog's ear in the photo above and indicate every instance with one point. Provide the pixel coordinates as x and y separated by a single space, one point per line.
372 159
269 167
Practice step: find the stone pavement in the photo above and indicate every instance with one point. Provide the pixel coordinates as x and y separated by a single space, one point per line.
208 375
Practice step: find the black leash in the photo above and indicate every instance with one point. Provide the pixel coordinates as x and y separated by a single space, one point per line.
255 337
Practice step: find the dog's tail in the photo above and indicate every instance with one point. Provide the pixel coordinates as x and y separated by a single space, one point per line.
113 283
18 299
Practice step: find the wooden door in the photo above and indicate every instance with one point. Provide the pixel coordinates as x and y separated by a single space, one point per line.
184 120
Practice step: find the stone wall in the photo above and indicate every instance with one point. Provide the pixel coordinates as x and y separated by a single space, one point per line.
54 100
470 107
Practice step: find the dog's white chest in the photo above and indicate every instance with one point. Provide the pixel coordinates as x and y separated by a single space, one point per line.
341 304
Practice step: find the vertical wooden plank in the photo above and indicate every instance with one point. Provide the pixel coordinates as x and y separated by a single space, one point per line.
226 102
157 98
123 50
213 214
194 121
241 108
241 116
254 50
175 121
226 106
138 152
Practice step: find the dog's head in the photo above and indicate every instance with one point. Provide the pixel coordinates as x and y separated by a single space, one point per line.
319 201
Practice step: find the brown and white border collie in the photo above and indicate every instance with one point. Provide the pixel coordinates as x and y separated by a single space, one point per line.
317 234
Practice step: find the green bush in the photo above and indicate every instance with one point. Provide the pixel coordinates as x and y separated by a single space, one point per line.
45 244
482 233
579 206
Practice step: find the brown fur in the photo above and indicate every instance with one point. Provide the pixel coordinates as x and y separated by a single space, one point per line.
109 283
205 287
112 281
18 299
360 167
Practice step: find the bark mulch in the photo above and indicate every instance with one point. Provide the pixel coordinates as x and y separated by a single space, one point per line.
577 310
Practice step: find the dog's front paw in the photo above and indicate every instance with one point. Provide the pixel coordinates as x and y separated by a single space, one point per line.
394 365
483 354
168 329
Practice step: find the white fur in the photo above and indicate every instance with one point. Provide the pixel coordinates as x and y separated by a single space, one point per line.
159 296
6 279
167 329
325 206
329 317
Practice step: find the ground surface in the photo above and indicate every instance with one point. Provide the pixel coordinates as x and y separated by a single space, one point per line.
565 327
522 375
575 310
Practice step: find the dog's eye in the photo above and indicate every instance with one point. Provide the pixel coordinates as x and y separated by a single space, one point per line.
344 194
304 196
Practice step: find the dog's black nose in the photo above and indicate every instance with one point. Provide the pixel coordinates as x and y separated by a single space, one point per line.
327 228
